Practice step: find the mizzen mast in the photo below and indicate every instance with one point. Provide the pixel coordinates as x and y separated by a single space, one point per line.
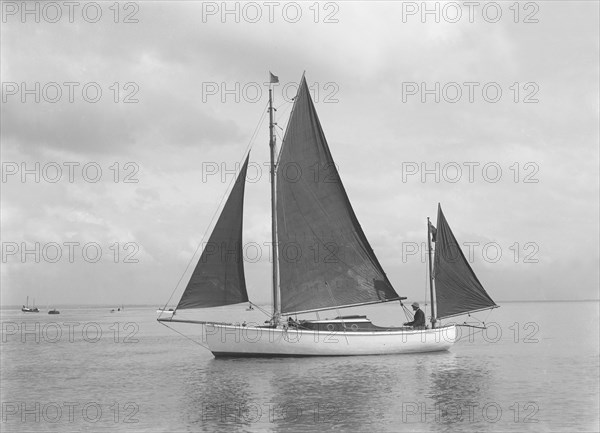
430 273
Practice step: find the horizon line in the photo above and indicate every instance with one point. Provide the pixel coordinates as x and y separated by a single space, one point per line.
268 303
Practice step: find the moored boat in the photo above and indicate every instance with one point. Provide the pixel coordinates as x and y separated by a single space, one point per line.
26 309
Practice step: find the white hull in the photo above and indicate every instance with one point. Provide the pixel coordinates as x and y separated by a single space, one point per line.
239 341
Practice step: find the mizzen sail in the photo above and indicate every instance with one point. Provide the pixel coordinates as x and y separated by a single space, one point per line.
457 288
325 260
218 278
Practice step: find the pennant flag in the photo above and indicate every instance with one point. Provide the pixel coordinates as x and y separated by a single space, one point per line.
274 78
433 232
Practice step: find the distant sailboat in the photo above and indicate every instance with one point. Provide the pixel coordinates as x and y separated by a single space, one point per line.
33 309
54 311
322 261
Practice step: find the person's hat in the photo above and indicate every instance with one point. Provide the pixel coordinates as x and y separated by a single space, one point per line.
415 304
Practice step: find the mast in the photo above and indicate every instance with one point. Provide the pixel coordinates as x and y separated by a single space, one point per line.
430 273
276 300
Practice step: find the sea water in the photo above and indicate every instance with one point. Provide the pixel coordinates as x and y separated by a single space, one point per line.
535 368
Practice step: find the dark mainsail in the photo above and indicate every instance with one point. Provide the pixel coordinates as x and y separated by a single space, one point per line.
457 288
325 260
219 275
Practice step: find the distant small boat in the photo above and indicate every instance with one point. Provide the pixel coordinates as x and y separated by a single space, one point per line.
54 311
164 311
26 309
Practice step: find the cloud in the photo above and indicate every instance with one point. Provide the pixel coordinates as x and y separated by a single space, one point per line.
176 130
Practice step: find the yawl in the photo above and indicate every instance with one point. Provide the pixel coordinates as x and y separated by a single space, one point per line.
311 212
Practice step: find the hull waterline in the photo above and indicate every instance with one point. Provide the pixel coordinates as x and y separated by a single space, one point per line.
248 341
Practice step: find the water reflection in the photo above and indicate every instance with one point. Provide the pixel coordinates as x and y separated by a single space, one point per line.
460 393
222 395
308 394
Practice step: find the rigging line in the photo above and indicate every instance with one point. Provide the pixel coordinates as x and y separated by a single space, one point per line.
407 313
277 133
259 124
284 113
486 317
287 103
293 105
404 309
185 336
210 225
261 309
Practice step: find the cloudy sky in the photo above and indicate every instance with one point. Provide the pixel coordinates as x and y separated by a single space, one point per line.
119 139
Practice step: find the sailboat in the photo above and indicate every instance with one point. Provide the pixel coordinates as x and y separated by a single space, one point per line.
26 309
322 260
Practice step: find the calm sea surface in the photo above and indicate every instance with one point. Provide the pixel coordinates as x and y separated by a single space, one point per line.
535 369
